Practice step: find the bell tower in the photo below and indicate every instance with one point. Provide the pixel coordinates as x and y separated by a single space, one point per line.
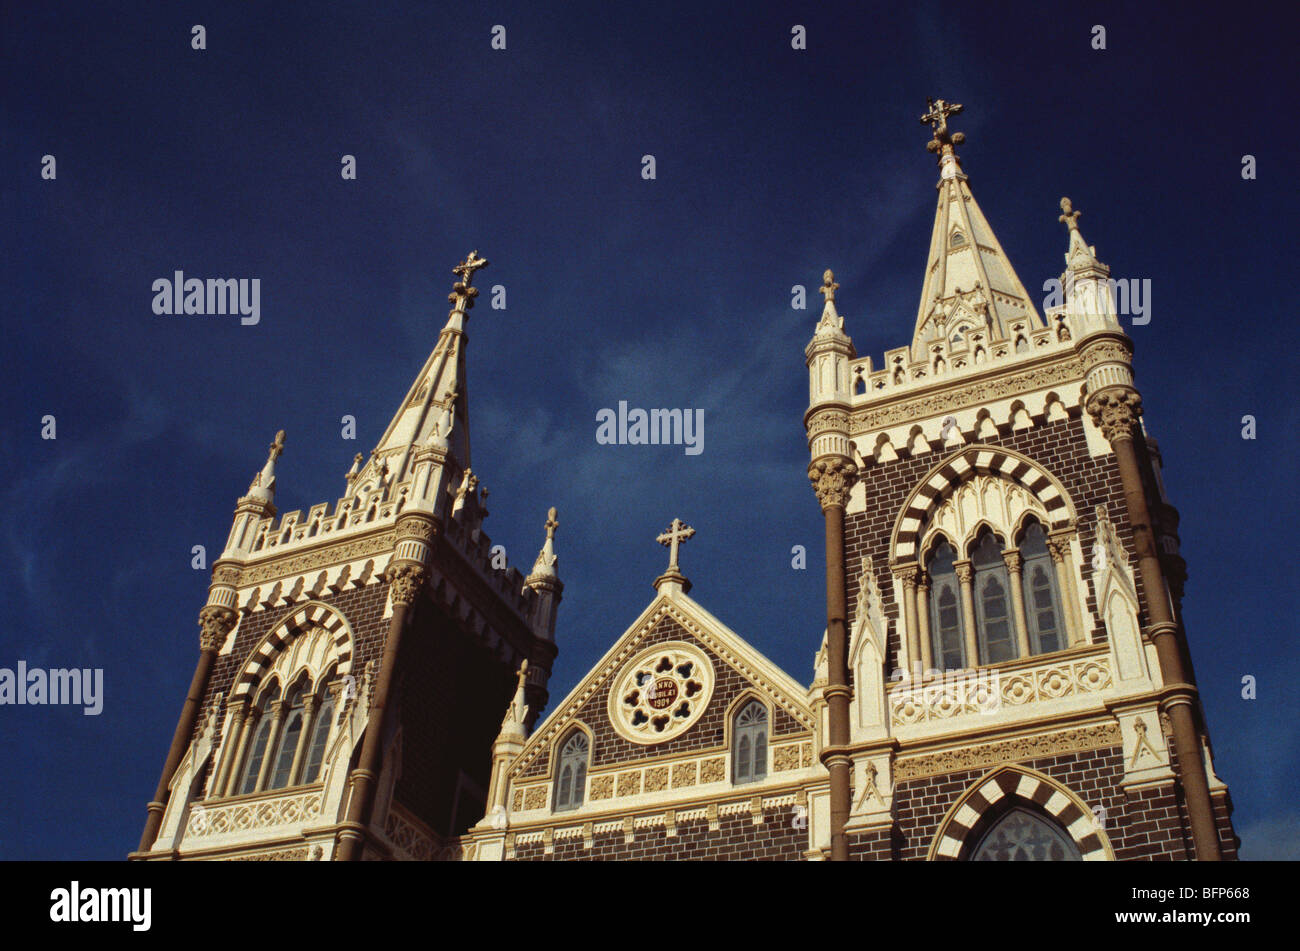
354 661
1007 668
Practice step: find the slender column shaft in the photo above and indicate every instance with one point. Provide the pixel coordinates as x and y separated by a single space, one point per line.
231 744
264 775
1014 565
310 705
908 577
1059 548
966 576
241 752
406 583
923 621
1116 411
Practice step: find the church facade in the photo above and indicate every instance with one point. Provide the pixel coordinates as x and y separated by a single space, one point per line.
1004 672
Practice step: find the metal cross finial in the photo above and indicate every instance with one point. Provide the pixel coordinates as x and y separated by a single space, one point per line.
829 286
1070 216
466 268
936 117
676 533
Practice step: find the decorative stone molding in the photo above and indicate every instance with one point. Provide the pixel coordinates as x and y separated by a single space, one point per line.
1014 384
684 774
215 623
226 574
827 420
1069 811
408 838
256 814
910 703
1115 412
418 528
982 756
279 855
832 480
316 559
406 582
602 787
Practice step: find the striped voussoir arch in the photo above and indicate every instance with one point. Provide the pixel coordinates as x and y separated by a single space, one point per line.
306 618
1010 786
987 460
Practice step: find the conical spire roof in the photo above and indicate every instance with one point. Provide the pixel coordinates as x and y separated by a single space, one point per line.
436 408
969 282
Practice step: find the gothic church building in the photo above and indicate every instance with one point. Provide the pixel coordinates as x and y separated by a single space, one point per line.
1004 673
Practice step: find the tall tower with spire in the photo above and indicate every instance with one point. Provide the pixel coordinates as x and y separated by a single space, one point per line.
354 661
1006 667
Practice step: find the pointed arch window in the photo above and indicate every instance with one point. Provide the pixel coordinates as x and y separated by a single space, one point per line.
997 639
945 609
749 749
287 746
1024 836
1042 596
571 778
257 752
320 733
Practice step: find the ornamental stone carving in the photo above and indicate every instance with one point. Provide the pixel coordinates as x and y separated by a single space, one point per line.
215 622
971 395
661 693
226 574
827 420
832 479
1014 750
1115 412
406 582
419 528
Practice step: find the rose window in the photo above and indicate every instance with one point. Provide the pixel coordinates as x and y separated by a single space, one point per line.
661 693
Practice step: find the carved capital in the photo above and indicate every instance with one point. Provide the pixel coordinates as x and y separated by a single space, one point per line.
832 479
907 575
1115 412
420 528
1013 561
1056 547
827 420
965 572
406 582
215 622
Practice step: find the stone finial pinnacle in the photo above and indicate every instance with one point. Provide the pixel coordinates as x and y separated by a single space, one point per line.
1068 215
829 287
544 566
263 485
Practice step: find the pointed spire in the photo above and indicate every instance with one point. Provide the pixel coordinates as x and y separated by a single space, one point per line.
971 296
1079 256
544 566
351 476
263 484
514 724
435 411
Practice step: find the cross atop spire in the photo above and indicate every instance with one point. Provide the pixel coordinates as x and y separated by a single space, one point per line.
277 447
462 293
936 117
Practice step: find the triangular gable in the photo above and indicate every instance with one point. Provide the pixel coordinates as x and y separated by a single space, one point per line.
785 695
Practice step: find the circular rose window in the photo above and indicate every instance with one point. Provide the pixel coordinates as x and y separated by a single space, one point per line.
661 692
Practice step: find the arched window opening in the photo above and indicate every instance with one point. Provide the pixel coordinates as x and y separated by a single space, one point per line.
571 778
320 732
1042 596
257 752
997 641
288 742
948 645
749 760
1024 836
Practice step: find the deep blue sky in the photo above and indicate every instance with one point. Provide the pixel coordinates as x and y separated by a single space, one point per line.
772 165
